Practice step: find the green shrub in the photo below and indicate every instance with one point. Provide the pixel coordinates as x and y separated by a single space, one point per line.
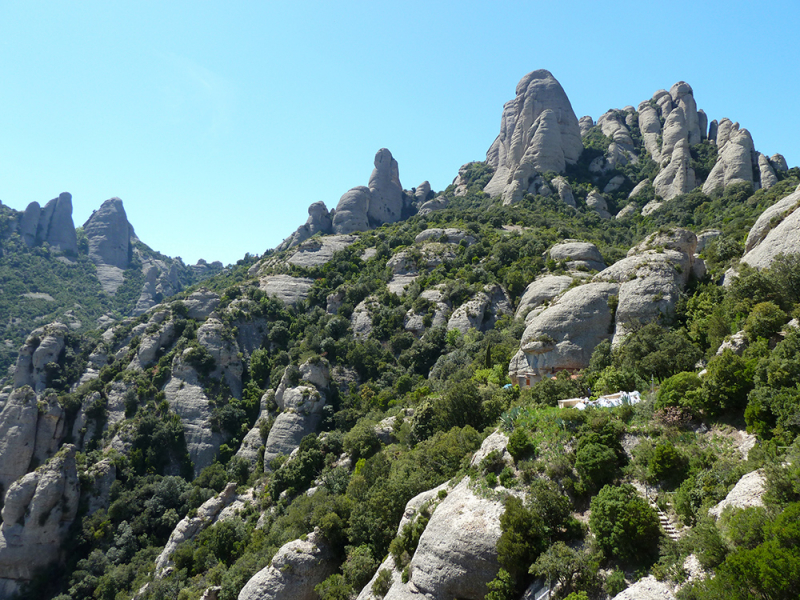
625 525
615 583
596 464
764 321
520 444
382 583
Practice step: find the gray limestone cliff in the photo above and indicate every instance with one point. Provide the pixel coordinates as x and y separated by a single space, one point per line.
37 512
539 132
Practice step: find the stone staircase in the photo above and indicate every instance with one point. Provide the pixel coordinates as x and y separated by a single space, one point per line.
666 523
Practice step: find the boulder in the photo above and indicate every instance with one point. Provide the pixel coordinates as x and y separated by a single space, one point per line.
539 132
578 255
747 492
109 235
596 202
37 513
542 290
628 210
564 335
678 176
351 212
294 571
736 343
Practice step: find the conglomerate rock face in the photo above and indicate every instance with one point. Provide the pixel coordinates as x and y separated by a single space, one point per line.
539 132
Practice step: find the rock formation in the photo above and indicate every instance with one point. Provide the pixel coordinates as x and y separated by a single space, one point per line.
37 513
42 347
678 176
777 231
578 255
294 571
539 132
384 201
650 278
301 408
482 311
189 527
351 212
564 335
52 224
109 235
540 291
319 221
734 163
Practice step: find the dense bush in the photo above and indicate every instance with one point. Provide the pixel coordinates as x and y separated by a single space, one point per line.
625 525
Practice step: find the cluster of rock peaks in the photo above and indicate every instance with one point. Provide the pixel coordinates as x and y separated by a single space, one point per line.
364 207
539 133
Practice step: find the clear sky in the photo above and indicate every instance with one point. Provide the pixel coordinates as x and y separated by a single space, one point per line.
218 123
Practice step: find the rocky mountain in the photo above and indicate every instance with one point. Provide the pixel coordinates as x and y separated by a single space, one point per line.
85 277
571 372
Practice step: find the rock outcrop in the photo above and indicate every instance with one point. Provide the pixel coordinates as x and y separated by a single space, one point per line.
320 250
184 392
482 311
288 289
301 407
319 221
748 491
52 224
777 231
578 255
596 202
295 570
37 512
189 527
647 588
678 176
539 132
160 281
42 347
457 553
650 278
540 291
735 161
109 235
564 335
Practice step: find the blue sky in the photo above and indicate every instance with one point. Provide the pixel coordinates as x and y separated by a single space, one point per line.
219 123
